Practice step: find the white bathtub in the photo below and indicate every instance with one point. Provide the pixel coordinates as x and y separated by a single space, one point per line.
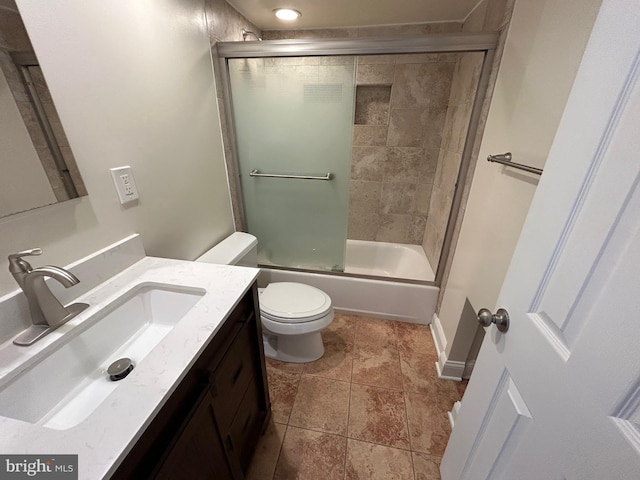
394 260
394 300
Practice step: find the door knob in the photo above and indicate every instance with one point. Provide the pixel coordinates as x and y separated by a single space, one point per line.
500 318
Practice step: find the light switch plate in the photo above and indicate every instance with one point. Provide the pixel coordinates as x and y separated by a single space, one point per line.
125 184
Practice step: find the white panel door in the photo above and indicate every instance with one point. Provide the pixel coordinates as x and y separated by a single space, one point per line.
558 395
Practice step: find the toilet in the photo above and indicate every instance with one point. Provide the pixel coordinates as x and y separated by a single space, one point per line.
292 314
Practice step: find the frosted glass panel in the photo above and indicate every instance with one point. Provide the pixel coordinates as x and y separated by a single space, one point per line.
294 116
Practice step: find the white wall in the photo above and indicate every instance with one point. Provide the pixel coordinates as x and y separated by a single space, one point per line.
20 162
133 85
545 43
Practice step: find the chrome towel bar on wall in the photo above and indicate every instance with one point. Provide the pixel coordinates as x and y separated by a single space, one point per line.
505 159
256 173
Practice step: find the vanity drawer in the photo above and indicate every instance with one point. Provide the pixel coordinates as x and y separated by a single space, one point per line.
244 432
230 379
243 315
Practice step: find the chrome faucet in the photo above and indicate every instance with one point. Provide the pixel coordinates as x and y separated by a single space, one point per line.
47 313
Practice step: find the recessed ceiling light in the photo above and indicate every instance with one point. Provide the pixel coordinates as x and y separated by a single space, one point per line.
286 13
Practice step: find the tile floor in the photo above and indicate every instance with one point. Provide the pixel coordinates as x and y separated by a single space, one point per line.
372 408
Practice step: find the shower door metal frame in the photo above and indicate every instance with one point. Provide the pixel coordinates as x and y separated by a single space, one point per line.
485 43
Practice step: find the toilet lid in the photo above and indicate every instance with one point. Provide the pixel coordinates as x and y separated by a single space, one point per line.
293 302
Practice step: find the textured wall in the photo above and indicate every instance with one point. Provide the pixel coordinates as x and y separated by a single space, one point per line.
459 106
401 106
488 16
381 31
401 103
225 24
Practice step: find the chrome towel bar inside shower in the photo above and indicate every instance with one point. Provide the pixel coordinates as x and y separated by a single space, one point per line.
505 159
256 173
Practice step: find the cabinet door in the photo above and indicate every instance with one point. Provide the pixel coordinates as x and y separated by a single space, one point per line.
244 431
198 452
231 378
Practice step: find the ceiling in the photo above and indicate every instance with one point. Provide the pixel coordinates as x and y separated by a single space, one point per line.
353 13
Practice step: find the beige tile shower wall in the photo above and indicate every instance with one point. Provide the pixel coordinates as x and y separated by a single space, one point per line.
397 132
401 104
459 106
225 24
400 115
487 16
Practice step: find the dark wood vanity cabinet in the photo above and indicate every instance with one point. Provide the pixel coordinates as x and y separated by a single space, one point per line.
209 427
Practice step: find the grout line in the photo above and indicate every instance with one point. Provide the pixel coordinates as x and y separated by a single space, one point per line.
403 391
406 411
275 467
378 386
346 451
295 397
413 467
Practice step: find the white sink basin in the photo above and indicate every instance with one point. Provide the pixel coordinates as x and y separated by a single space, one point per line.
70 381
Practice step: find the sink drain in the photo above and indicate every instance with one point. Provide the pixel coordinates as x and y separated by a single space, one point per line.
119 369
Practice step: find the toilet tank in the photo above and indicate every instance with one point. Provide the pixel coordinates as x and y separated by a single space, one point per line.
239 248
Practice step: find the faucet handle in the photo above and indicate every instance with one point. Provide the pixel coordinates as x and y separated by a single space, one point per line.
17 265
26 253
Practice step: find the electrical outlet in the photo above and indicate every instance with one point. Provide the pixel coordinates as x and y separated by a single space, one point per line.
125 184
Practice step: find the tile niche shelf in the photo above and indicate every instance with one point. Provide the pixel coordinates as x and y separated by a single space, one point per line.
372 104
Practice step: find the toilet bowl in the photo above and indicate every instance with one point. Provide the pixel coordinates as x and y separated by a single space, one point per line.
292 314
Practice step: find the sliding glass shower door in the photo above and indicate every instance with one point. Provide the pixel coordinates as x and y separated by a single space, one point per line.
293 120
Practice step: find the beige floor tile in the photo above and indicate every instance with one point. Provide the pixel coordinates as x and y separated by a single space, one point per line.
321 404
426 467
366 461
282 392
374 332
415 338
378 415
429 428
419 375
265 458
343 324
395 402
378 366
309 455
337 360
285 367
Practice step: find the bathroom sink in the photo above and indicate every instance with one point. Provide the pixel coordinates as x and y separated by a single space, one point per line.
70 379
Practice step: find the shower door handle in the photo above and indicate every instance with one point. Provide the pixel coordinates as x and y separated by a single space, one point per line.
256 173
500 318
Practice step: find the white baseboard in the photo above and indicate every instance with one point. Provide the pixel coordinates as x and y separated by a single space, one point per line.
468 368
450 370
453 414
438 334
447 369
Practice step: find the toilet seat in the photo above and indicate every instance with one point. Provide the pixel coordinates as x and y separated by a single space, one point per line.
293 303
312 327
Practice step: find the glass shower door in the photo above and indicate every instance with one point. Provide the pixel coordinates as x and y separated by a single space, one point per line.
293 117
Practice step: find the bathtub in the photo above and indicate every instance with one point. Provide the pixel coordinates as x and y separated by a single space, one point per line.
407 301
393 260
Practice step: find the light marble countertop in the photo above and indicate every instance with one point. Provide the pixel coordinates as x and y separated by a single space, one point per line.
104 438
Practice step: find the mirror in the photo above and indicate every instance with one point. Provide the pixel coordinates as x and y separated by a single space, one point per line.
38 167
